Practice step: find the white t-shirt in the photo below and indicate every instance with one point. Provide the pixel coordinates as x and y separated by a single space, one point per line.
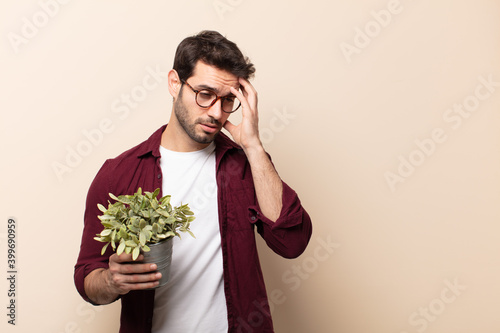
193 300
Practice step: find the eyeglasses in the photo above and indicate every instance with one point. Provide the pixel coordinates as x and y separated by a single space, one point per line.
205 98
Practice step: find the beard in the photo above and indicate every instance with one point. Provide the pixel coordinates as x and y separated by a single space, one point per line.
182 115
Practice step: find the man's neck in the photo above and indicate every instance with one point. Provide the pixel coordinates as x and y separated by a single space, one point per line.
176 139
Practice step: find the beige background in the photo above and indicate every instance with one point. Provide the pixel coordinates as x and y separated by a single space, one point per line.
384 257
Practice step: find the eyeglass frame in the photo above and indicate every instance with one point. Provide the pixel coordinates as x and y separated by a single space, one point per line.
217 97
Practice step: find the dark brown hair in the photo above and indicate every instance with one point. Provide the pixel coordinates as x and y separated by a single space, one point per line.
213 49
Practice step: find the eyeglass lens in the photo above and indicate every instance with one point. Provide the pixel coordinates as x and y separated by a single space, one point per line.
205 98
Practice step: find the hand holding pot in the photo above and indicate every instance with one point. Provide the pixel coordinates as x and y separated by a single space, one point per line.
124 276
103 286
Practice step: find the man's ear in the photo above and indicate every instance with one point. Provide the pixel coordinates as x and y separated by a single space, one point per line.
174 83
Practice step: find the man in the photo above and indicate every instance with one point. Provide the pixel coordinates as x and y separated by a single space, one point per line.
216 283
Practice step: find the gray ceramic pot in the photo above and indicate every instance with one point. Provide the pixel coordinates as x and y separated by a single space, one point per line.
161 255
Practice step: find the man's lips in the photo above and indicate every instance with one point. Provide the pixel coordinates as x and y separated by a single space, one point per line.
209 128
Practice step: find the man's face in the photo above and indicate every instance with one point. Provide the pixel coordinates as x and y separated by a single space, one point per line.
203 124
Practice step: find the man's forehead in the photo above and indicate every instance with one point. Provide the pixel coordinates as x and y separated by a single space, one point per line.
214 77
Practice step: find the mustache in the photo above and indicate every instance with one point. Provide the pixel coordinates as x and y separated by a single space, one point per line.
210 120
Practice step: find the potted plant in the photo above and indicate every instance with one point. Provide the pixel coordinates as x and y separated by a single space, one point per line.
141 223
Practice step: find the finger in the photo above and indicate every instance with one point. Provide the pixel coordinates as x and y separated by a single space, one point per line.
142 286
247 86
247 96
248 89
132 268
125 283
140 278
125 257
239 95
243 99
138 268
123 264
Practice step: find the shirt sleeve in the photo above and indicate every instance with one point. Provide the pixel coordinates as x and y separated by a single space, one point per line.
90 257
291 232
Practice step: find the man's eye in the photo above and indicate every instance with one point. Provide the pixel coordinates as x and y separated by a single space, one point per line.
205 94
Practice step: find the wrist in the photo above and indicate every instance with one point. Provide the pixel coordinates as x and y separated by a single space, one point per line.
254 151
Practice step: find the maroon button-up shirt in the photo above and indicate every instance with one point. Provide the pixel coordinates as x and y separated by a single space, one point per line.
239 214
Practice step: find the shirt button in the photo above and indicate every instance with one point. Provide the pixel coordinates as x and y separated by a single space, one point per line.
253 218
159 175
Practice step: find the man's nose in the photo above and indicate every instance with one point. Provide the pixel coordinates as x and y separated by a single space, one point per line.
215 110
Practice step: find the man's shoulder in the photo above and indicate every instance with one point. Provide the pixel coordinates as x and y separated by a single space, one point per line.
150 147
129 160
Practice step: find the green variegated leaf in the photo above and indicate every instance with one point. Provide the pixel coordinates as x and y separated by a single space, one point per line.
120 248
133 229
112 196
106 232
113 244
142 238
106 217
123 233
110 224
131 243
167 234
103 250
135 252
125 199
165 200
145 213
135 221
163 212
154 204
